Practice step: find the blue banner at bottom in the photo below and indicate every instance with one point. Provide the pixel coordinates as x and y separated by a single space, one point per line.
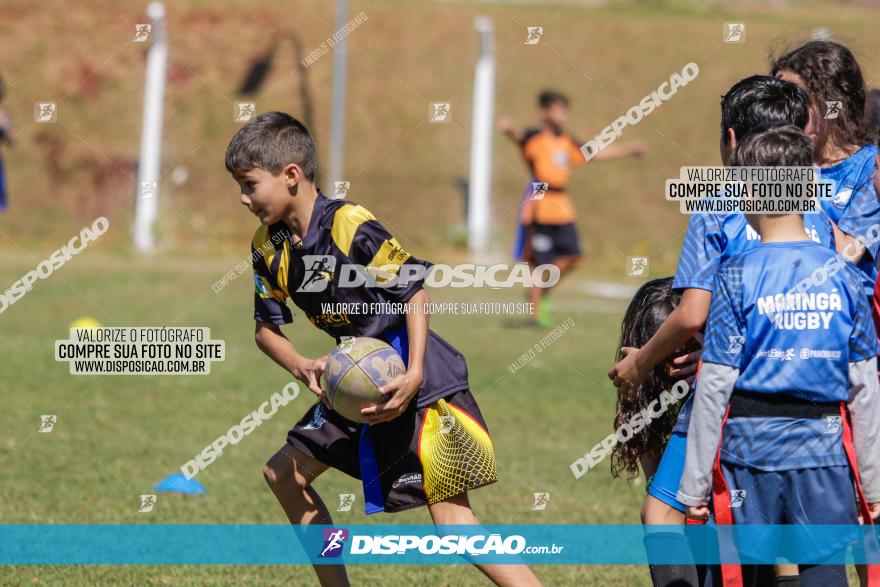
179 544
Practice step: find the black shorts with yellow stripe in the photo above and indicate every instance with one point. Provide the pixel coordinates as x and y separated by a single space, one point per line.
424 456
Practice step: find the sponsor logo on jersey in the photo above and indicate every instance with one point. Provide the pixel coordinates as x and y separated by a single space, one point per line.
260 286
407 479
780 354
807 353
841 198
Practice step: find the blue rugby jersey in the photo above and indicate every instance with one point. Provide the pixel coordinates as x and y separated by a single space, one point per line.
786 341
712 239
854 207
308 272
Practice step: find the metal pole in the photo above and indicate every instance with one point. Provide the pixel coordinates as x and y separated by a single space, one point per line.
337 114
149 164
480 192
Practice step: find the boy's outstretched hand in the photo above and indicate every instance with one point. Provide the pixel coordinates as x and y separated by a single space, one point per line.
685 367
637 149
699 513
401 389
505 125
310 372
626 374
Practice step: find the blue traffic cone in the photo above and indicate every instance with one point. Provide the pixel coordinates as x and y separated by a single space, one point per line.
178 483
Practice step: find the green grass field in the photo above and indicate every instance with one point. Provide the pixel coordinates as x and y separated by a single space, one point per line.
116 436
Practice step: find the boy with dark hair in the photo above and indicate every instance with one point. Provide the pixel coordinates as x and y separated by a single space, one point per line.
398 454
711 239
548 98
547 231
786 422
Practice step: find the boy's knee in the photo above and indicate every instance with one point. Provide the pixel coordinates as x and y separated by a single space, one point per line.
271 474
453 511
290 468
280 470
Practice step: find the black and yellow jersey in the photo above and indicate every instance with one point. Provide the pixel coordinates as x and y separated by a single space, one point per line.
342 235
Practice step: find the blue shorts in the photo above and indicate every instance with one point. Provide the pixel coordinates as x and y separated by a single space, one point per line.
801 497
824 495
668 476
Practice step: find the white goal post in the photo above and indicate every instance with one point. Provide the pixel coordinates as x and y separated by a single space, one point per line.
480 184
149 163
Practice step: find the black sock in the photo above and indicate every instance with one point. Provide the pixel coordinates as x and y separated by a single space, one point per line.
788 581
660 544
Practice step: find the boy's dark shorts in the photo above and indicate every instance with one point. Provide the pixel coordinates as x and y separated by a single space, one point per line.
424 456
547 242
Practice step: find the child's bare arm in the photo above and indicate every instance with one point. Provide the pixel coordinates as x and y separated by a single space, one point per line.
678 328
417 323
617 151
505 125
405 387
864 409
277 347
850 248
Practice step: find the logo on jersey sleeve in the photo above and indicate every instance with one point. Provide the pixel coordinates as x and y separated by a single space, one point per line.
260 286
841 198
735 344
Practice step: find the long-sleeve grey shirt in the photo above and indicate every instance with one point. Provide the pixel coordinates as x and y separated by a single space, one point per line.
714 389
